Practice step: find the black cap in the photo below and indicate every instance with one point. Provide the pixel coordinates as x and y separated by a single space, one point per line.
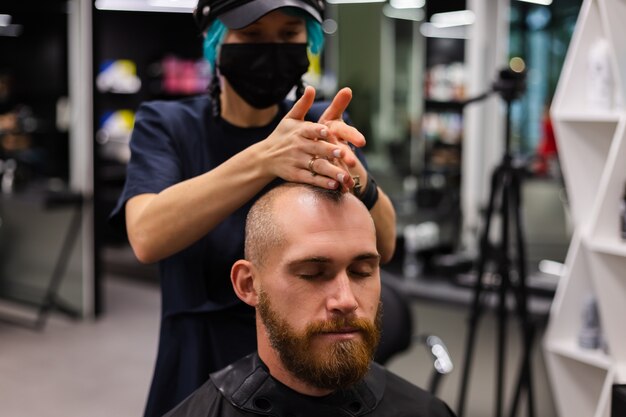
237 14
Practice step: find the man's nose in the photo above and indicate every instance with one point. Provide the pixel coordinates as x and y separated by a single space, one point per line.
341 296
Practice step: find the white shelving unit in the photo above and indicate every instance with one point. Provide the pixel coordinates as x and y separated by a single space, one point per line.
592 149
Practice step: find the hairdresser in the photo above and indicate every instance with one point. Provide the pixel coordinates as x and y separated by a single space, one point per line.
198 164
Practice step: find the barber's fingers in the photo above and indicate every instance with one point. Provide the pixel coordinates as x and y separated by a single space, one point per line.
338 106
340 152
334 161
302 106
314 138
325 173
335 133
342 132
308 130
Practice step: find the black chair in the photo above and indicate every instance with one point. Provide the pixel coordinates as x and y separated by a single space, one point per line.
398 331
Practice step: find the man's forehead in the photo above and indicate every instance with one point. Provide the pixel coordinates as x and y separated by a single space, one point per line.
308 204
325 219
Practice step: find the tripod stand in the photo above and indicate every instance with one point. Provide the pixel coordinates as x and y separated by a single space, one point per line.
505 190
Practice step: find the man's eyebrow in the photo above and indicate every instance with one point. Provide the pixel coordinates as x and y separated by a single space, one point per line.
310 260
326 260
368 256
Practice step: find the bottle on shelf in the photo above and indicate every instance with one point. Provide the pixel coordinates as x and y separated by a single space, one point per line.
600 83
589 336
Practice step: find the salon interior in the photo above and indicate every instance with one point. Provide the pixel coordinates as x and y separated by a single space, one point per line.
513 305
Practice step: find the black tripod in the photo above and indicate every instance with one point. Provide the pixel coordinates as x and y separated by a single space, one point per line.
506 191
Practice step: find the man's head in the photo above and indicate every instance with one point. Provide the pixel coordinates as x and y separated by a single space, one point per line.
312 272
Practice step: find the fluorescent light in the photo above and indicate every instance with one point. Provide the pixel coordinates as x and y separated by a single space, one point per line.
407 4
5 20
175 6
353 1
453 32
188 4
416 15
450 19
541 2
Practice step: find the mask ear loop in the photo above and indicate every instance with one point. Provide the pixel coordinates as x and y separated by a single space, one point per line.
214 92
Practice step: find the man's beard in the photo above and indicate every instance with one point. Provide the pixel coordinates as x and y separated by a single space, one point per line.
334 366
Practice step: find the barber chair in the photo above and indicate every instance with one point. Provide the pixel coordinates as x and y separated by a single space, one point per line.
398 332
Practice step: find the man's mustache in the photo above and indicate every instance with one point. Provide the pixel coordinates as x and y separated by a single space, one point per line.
340 324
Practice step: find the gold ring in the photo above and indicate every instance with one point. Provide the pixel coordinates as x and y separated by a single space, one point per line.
315 158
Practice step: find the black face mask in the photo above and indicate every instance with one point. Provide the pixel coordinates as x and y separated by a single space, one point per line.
263 73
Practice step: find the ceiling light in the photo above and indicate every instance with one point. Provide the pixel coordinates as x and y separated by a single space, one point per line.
452 32
353 1
416 15
541 2
5 20
449 19
176 6
407 4
187 4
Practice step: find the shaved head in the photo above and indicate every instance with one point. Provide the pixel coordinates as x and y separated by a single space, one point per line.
263 227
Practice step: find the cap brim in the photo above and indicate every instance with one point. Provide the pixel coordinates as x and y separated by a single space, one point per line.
252 11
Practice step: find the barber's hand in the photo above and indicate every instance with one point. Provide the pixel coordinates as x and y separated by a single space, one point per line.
343 134
298 150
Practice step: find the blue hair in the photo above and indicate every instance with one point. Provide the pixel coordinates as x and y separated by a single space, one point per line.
315 35
217 31
213 39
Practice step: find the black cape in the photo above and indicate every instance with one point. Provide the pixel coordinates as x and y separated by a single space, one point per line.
246 388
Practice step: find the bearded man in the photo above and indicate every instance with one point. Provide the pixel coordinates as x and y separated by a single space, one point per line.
311 271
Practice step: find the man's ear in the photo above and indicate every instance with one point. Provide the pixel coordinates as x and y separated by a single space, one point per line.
242 278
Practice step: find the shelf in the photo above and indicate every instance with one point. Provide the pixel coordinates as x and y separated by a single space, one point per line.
586 116
583 145
592 151
579 388
569 349
606 223
608 246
